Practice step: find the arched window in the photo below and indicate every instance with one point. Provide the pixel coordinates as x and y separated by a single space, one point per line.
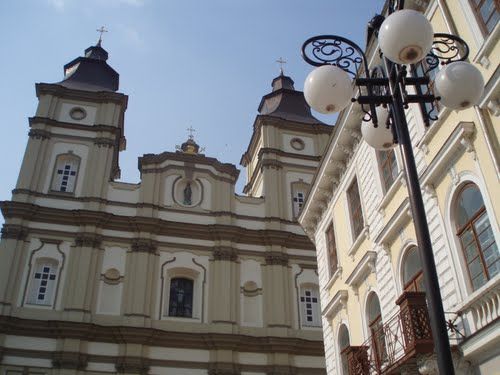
413 276
65 173
374 317
476 236
344 343
43 281
181 297
310 307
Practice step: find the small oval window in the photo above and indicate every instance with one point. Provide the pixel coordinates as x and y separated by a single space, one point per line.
78 113
297 144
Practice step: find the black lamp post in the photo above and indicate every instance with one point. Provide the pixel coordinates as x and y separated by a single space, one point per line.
405 38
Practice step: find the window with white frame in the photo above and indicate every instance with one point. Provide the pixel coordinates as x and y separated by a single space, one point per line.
180 302
487 13
65 173
476 236
310 306
413 275
356 211
43 282
299 190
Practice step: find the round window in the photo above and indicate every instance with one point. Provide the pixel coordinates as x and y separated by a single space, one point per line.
297 144
78 113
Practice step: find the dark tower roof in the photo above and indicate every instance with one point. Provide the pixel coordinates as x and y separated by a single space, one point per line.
91 72
287 103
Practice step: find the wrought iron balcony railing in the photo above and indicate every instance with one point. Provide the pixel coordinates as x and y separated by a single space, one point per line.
398 342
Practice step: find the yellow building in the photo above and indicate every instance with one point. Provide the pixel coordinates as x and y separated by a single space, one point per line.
359 217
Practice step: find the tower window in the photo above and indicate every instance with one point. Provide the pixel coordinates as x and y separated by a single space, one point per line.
309 301
65 173
43 282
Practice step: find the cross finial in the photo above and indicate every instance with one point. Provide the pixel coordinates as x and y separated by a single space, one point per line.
101 31
281 62
191 131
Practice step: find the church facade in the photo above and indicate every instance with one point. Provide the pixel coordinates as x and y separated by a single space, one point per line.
175 274
375 317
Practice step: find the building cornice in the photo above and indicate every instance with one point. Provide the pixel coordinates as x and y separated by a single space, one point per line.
136 224
35 120
157 337
90 96
336 303
267 219
365 266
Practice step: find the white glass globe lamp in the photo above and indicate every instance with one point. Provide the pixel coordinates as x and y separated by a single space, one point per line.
459 84
405 36
380 138
328 89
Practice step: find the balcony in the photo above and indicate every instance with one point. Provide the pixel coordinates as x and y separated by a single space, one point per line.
397 344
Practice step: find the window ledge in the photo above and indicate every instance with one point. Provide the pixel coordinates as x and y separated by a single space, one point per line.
359 240
337 302
337 275
364 267
431 131
489 43
389 194
492 286
391 229
181 319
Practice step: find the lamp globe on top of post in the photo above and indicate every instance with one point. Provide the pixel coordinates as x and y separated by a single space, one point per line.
405 36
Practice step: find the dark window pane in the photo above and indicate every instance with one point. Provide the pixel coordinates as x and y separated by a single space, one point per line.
469 203
181 298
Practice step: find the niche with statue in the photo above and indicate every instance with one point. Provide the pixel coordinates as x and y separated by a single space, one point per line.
187 192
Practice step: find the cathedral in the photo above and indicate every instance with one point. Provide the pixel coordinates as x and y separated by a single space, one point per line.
176 274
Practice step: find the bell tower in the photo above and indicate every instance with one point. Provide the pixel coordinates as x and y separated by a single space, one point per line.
285 149
76 134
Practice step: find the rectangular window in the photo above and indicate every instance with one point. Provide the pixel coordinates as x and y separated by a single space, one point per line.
389 167
487 14
356 211
331 247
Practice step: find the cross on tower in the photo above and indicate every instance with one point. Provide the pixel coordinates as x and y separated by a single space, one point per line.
101 31
281 62
191 131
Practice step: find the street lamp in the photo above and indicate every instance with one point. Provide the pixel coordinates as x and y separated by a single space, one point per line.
405 38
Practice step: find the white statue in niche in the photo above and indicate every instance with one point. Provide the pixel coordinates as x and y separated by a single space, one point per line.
188 194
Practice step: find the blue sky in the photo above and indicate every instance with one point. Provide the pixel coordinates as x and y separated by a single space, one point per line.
203 63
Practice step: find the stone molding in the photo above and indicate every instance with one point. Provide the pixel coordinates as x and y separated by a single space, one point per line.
276 259
157 337
93 96
155 207
142 245
104 142
70 125
105 220
132 365
88 240
225 253
69 360
39 134
14 232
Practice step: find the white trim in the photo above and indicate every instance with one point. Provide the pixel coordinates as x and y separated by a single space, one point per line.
362 270
337 302
398 220
470 16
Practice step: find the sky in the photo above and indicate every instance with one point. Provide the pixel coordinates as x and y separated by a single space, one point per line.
183 63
